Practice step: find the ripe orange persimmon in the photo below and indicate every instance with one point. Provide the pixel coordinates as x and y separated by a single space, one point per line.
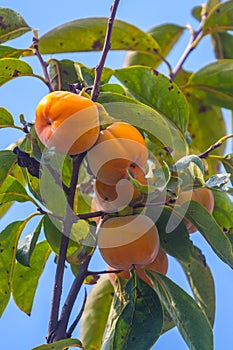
112 197
160 264
204 196
67 121
128 241
118 146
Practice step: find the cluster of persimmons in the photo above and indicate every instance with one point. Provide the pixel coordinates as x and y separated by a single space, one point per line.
69 123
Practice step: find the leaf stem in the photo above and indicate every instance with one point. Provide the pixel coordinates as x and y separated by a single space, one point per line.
106 48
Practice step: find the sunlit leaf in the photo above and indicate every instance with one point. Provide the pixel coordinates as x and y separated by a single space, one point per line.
223 211
219 18
188 316
25 279
11 52
88 34
156 90
202 283
95 314
12 25
208 227
8 245
53 233
142 315
166 35
12 190
7 160
11 68
61 345
6 118
27 245
213 83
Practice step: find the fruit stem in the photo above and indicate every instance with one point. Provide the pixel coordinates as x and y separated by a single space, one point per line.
106 48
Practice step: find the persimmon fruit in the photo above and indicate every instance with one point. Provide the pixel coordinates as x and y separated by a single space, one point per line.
67 122
203 196
111 197
160 264
128 241
118 146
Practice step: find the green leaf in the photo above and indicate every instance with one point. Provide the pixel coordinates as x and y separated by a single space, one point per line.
12 25
60 345
166 35
115 310
223 211
88 34
95 314
227 162
156 126
206 126
11 52
208 227
223 45
188 316
213 83
176 242
27 245
79 230
25 279
113 88
7 160
8 244
219 18
11 68
6 119
66 72
141 320
53 233
156 90
202 283
12 190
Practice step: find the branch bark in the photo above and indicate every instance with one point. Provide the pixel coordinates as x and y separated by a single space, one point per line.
106 48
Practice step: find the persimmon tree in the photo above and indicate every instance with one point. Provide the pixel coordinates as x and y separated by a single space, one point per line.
150 152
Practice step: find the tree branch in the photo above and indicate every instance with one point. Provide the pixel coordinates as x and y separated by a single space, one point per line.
35 42
214 146
77 319
191 45
68 221
106 48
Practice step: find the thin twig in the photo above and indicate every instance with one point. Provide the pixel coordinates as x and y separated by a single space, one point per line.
106 48
77 319
191 45
68 221
214 146
35 42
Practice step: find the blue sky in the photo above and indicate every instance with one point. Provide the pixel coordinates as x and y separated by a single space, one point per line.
22 95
